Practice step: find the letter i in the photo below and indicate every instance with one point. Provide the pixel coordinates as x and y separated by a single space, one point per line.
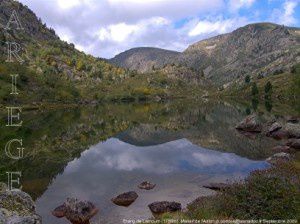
14 90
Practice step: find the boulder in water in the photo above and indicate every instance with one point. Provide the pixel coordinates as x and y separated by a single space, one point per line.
76 211
146 185
125 199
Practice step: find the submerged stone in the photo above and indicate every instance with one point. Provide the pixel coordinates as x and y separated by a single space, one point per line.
125 199
217 186
146 185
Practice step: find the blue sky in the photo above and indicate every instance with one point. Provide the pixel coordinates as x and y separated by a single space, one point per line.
105 28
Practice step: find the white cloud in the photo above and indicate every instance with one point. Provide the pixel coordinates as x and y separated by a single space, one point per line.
289 10
235 5
107 27
104 28
68 4
286 14
64 33
122 32
118 32
217 27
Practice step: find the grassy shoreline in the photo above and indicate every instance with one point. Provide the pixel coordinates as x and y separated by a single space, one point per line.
269 194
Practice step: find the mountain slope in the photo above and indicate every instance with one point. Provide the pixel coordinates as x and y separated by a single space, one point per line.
144 59
52 70
256 49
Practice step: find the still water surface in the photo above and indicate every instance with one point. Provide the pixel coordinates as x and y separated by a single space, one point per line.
179 169
96 153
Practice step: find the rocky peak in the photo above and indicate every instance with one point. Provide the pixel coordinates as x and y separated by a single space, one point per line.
255 49
32 25
144 59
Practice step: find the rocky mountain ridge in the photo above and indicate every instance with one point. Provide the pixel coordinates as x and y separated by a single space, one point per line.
257 49
144 59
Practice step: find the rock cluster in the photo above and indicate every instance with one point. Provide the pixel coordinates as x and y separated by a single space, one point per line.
290 131
17 207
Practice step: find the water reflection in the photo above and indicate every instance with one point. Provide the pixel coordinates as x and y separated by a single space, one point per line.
160 142
179 168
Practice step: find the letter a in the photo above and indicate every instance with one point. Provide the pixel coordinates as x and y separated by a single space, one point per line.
14 19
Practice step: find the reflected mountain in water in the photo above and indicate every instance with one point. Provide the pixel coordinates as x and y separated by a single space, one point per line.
179 169
54 138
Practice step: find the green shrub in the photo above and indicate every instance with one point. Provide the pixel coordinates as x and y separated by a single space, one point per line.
295 69
268 87
247 79
266 194
80 65
254 89
277 72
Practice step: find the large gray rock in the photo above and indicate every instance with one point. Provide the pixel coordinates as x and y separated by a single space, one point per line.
250 124
280 134
17 207
274 127
293 119
281 148
279 157
293 130
294 143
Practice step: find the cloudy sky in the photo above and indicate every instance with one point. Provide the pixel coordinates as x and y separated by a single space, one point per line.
105 28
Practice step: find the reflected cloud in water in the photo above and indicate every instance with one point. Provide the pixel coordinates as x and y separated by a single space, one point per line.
179 168
175 156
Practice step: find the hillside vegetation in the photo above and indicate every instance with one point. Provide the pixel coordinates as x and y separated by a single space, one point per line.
276 87
54 71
